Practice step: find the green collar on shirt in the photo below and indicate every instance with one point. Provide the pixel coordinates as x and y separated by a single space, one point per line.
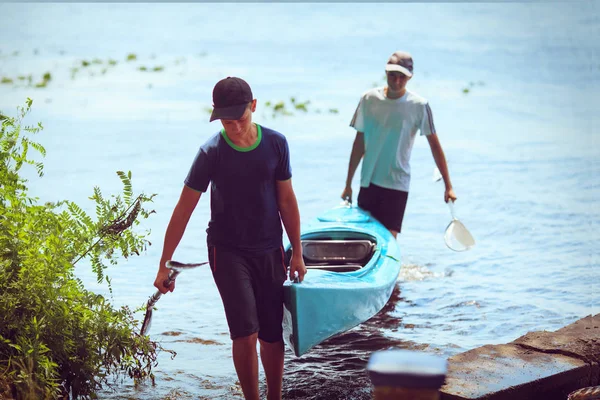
249 148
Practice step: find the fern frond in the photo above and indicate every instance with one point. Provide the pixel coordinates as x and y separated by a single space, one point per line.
40 169
98 268
39 148
80 215
98 195
127 189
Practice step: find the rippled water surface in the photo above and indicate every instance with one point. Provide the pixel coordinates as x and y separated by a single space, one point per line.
514 92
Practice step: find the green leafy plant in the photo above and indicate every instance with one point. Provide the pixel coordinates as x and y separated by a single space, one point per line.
56 337
300 106
471 85
280 108
47 77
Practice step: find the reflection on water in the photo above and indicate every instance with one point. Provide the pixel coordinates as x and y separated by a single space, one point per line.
414 272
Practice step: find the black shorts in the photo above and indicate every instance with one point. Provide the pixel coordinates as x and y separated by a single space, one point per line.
385 205
251 287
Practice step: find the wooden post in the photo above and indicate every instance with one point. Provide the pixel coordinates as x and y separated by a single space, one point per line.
404 375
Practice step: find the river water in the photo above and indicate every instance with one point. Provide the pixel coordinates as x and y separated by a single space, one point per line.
514 91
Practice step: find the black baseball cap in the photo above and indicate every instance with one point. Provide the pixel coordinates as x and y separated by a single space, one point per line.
230 98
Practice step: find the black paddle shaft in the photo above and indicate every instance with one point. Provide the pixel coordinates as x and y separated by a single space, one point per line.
166 283
175 267
154 298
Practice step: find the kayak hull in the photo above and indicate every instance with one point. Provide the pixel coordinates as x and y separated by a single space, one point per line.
329 302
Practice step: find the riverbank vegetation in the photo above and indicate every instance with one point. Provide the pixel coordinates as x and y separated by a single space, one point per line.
58 339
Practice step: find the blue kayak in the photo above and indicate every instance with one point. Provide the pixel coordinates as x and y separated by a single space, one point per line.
353 263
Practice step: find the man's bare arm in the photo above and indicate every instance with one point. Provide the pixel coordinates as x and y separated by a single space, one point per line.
440 162
358 151
290 215
179 220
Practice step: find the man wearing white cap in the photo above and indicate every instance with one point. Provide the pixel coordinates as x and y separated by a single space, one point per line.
387 120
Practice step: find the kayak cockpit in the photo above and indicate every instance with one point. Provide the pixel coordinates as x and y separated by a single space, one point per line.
337 255
337 251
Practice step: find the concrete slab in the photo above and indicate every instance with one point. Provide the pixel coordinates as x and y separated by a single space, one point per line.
580 340
539 365
501 372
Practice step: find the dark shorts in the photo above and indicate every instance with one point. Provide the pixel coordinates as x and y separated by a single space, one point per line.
251 287
385 205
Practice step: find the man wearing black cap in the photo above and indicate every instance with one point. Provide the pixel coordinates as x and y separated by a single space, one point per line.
387 120
248 169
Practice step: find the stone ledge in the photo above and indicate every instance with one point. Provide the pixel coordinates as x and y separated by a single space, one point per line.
580 339
538 365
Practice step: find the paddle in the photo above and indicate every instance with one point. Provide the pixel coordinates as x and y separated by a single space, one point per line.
176 268
457 236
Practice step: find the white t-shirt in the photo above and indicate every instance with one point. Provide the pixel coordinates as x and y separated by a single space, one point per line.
390 127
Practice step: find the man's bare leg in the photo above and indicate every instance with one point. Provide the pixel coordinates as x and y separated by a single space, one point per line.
245 360
394 233
271 355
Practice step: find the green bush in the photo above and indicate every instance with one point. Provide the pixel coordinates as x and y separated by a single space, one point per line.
58 339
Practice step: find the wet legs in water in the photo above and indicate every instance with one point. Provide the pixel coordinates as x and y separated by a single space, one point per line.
271 355
245 359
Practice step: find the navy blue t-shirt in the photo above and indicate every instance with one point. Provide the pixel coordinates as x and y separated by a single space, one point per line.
244 210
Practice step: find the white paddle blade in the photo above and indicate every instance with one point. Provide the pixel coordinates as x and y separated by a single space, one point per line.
457 237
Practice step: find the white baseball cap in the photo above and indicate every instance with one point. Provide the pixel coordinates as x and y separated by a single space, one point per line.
400 61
